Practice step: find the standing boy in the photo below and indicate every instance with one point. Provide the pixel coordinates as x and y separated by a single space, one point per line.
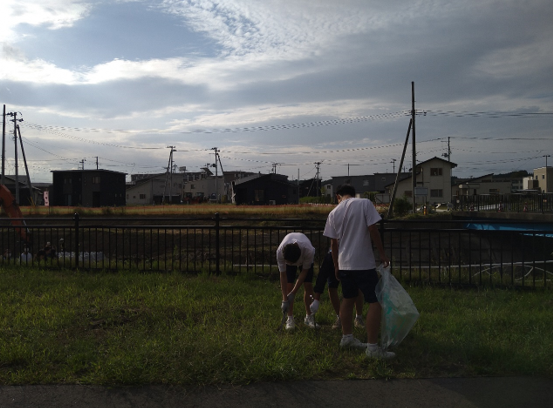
351 226
296 250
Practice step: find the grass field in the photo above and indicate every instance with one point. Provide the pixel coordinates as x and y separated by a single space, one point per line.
196 210
168 328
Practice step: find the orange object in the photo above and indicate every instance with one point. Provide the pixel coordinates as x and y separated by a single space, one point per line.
12 209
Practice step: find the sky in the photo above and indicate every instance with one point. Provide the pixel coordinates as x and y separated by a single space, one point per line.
304 88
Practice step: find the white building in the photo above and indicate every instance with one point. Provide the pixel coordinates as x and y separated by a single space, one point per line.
433 182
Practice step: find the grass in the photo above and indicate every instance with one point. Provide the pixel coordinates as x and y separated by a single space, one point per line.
70 327
207 209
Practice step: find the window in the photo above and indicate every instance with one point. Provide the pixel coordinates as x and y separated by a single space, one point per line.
259 195
96 180
191 186
436 193
365 183
142 196
409 193
436 171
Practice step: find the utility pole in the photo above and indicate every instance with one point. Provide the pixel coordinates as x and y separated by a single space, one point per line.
317 183
169 175
15 120
414 169
448 154
96 162
393 165
29 185
217 160
3 181
546 156
82 164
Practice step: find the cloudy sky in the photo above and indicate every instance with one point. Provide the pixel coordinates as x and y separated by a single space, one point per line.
277 84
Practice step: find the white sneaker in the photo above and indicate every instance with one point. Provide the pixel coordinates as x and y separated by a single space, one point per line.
379 354
352 342
358 322
290 323
337 324
310 321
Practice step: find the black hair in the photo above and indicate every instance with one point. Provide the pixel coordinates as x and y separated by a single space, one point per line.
291 252
346 189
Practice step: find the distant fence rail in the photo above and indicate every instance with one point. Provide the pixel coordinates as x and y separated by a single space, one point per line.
504 253
514 202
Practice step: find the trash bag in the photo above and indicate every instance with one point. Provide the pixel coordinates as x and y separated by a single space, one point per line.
399 313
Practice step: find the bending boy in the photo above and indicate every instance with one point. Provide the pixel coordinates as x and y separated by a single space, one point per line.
295 251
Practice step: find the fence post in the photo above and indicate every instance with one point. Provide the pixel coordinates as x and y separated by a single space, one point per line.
77 242
217 253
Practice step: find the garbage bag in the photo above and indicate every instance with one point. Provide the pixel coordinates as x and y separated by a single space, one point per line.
399 313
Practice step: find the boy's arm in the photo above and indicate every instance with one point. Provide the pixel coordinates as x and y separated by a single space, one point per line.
334 248
377 240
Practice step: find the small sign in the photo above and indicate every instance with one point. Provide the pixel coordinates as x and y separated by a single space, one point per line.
421 191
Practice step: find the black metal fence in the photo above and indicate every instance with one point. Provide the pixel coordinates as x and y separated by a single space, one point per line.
503 253
516 202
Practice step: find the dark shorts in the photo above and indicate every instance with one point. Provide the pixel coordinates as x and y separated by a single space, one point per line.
292 270
355 281
326 274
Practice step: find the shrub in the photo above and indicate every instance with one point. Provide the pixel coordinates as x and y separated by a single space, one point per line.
402 206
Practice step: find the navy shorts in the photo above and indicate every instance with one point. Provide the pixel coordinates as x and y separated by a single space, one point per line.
326 274
355 281
292 270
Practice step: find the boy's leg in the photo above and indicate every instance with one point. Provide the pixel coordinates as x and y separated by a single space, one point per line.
359 304
372 322
289 287
307 296
346 315
334 299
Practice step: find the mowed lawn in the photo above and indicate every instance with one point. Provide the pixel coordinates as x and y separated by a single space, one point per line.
171 328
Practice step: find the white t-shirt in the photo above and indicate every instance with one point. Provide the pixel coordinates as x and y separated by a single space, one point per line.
349 222
307 251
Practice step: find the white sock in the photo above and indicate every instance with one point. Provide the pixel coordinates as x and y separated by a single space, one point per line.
361 316
373 346
345 336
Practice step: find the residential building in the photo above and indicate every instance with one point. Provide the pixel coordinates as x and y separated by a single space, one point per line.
203 186
374 183
149 189
88 188
544 178
264 189
486 184
433 182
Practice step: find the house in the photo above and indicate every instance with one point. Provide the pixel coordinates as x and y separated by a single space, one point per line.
205 186
543 177
375 183
433 182
262 189
149 189
486 184
88 188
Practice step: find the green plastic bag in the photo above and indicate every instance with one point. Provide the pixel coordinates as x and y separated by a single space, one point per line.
399 313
